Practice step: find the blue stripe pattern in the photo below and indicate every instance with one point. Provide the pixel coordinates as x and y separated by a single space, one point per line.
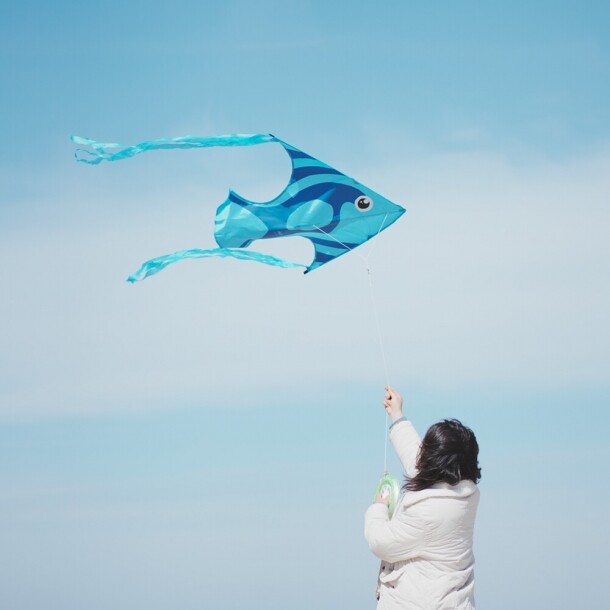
239 222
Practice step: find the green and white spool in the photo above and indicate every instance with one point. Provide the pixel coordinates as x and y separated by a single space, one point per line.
388 486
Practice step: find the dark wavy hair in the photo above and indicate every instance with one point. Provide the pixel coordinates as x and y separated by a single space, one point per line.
448 453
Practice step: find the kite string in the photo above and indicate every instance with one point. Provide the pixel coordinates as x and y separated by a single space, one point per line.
365 259
381 345
385 367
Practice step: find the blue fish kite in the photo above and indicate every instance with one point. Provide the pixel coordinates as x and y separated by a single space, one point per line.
333 211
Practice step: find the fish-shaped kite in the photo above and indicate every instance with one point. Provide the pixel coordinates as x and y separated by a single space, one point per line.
332 210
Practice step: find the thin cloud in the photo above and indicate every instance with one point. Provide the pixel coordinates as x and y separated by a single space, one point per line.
496 273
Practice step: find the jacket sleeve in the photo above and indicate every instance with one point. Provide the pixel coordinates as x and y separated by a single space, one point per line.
406 443
396 539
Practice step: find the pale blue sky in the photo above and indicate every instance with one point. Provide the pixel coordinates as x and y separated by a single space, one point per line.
212 436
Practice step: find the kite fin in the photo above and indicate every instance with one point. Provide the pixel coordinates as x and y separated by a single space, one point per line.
326 249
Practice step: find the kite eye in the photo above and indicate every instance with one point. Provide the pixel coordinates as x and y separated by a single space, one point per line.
363 203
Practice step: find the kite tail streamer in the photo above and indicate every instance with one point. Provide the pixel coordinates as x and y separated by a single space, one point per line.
157 264
101 153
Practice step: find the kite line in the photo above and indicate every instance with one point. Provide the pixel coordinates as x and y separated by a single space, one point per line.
384 360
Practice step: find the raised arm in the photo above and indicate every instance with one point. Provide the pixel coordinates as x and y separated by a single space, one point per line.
403 435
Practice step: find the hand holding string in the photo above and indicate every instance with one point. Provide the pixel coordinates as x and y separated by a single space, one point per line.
393 403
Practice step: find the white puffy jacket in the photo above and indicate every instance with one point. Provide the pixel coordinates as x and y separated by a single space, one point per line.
426 547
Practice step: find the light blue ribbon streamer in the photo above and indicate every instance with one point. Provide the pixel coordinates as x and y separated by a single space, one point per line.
157 264
100 149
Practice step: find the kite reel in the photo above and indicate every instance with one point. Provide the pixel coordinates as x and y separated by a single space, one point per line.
388 487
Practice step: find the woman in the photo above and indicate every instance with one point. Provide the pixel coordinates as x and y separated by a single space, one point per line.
426 546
